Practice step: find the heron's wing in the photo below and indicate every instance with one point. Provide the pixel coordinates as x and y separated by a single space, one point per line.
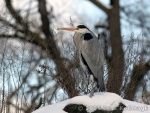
93 55
92 51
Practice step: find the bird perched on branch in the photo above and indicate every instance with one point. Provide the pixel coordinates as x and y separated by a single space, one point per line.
90 54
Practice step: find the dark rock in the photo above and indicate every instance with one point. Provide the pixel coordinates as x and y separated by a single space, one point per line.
79 108
75 108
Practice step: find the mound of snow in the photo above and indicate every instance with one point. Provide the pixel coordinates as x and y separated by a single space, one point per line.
104 101
100 100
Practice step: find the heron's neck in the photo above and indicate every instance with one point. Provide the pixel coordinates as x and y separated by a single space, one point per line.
83 31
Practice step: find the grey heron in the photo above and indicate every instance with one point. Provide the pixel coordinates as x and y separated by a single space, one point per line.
90 54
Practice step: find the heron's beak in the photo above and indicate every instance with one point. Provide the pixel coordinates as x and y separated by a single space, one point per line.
67 29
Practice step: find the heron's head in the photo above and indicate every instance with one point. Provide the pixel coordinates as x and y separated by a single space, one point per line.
79 29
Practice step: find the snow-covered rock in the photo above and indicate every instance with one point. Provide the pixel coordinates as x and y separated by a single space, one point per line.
100 101
80 108
104 101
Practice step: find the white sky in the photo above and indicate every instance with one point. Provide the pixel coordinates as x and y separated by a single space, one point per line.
86 11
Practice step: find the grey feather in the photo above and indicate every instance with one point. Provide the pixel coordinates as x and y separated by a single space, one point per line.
92 52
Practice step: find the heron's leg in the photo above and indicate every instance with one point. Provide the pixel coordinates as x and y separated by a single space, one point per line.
91 79
92 90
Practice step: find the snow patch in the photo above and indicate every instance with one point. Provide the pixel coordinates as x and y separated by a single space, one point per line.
100 100
103 101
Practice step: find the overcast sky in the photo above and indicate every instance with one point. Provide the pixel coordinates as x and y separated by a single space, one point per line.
80 11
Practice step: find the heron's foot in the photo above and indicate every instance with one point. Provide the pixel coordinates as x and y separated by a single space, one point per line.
92 93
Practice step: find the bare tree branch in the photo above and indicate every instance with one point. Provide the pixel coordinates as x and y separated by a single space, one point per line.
64 77
35 39
101 6
15 14
5 22
138 73
39 104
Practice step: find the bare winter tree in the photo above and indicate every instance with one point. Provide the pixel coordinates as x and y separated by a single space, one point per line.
35 69
117 61
31 49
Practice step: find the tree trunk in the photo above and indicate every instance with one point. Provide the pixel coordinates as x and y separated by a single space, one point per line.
117 61
63 77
